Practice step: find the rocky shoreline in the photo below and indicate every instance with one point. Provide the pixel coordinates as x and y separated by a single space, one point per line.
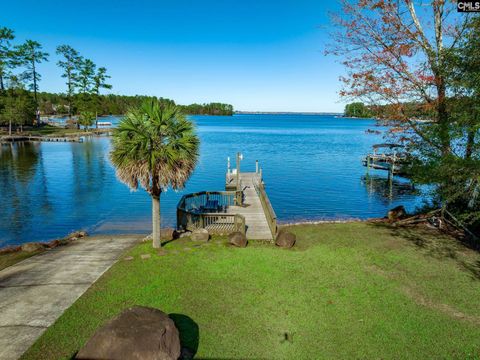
39 246
166 233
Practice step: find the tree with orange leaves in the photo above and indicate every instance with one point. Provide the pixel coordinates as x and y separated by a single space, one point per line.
402 52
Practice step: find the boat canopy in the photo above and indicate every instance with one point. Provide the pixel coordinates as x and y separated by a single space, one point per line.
387 145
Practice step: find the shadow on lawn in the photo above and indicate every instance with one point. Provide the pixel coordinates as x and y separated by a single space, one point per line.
438 245
189 335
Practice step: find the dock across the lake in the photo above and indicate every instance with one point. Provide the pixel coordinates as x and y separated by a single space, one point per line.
393 162
244 206
16 138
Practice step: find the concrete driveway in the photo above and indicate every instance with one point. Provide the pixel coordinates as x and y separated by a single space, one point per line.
36 291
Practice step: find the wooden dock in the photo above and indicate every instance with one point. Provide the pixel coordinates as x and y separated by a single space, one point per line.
393 162
16 138
244 206
256 223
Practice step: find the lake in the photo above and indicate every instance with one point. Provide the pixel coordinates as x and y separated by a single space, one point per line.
311 166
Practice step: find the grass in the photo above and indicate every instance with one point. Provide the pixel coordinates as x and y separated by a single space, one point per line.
43 130
51 130
352 290
12 258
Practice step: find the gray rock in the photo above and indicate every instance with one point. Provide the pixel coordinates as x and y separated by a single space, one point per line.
285 239
167 233
137 333
237 239
32 247
145 256
147 238
77 234
185 234
200 235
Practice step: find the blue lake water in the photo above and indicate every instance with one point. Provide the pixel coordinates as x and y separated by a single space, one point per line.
311 166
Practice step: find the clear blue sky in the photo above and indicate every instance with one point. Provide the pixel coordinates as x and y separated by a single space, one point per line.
257 55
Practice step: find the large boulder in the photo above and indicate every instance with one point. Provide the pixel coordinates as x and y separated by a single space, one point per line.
237 239
169 234
285 239
32 247
200 235
397 213
137 333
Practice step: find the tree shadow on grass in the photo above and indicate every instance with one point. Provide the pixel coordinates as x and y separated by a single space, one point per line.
438 245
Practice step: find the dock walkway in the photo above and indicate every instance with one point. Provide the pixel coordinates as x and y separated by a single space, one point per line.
257 227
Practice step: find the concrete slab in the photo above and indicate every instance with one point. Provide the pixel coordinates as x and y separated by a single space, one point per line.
35 292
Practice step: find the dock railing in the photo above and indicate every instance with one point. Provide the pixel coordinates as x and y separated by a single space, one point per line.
266 205
207 209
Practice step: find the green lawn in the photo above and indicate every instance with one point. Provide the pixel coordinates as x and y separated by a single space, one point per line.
352 290
43 130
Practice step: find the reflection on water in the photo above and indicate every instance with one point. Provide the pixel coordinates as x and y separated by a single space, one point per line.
386 190
311 165
25 180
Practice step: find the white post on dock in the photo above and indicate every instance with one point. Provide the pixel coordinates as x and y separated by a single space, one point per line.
228 165
239 157
256 166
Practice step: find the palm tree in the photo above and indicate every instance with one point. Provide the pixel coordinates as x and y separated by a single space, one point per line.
155 146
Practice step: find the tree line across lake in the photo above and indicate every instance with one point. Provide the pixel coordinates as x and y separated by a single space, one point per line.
111 104
415 110
21 102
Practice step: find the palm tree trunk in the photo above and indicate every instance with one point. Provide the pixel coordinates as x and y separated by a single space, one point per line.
156 221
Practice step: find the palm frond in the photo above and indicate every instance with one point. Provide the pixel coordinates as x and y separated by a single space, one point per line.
156 147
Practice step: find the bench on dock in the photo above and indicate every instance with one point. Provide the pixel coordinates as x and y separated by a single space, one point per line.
202 210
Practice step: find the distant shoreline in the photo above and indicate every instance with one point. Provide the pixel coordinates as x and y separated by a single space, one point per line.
285 113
